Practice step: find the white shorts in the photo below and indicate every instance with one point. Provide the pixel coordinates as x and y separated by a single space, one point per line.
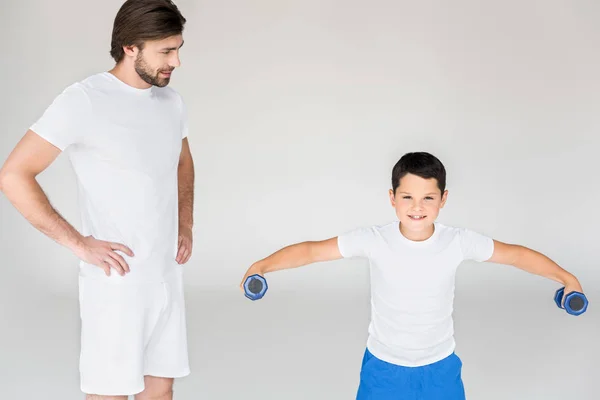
129 331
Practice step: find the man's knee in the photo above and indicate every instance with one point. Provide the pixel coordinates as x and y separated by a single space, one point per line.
156 389
156 394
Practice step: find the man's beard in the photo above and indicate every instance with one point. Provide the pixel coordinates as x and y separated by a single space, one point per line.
147 74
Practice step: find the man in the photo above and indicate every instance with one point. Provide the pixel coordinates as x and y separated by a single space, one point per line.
126 136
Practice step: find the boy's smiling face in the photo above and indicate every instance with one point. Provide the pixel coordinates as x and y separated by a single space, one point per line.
417 202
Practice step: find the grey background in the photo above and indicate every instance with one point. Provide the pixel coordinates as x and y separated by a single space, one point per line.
298 111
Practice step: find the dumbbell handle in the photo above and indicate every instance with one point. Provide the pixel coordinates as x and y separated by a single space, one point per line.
575 303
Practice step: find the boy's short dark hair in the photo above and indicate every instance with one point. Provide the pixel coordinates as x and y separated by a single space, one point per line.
421 164
140 20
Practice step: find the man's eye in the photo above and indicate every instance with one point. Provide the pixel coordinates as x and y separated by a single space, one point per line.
406 197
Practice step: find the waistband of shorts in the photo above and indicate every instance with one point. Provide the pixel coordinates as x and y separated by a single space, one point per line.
92 272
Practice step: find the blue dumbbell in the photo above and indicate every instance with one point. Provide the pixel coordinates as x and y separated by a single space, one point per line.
575 303
255 287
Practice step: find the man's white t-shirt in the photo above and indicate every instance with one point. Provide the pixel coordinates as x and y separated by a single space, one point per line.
124 144
412 288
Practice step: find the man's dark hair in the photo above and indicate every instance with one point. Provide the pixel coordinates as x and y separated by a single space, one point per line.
140 20
421 164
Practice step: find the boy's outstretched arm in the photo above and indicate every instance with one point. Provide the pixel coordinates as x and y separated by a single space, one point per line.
534 262
296 255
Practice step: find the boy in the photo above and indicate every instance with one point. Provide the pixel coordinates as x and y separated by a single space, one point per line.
413 261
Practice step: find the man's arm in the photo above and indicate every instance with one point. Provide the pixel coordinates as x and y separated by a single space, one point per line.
31 156
535 263
185 177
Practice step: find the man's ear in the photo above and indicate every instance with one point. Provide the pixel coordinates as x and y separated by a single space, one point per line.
131 51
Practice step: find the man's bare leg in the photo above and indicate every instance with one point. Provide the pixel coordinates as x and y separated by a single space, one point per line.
97 397
156 389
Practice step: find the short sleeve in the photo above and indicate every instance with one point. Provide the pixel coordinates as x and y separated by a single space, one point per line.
63 121
476 246
356 243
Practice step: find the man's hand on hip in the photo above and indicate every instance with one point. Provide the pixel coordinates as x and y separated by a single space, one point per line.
102 254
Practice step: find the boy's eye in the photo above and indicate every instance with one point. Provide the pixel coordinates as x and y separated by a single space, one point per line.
410 197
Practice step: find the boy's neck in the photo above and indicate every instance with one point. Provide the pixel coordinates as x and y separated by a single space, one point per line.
417 236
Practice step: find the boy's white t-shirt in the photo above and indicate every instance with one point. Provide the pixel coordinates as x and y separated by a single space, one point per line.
124 145
412 288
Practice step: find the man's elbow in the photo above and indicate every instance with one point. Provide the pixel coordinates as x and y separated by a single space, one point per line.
9 179
3 179
186 163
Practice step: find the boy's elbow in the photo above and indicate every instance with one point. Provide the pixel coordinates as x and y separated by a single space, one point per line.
311 251
518 253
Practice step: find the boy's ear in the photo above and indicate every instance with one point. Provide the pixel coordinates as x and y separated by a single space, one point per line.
444 198
392 200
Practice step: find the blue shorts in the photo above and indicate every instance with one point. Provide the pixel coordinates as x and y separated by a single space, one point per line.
380 380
